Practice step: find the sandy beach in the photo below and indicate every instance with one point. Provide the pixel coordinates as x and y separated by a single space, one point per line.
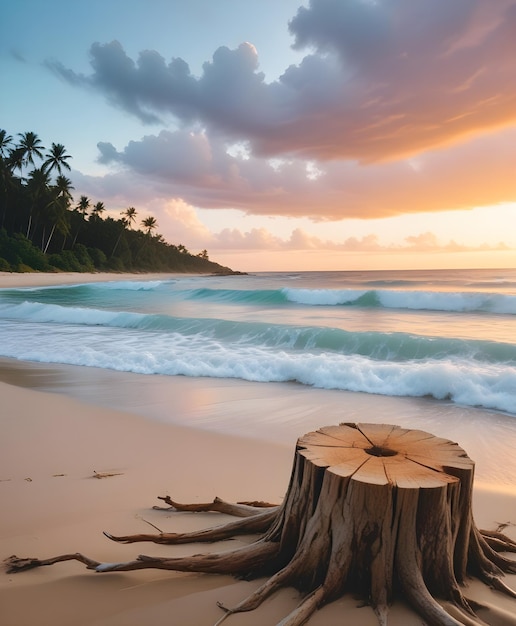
42 279
51 446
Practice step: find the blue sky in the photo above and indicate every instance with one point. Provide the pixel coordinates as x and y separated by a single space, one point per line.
328 134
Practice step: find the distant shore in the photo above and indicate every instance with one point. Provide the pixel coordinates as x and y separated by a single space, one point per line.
44 279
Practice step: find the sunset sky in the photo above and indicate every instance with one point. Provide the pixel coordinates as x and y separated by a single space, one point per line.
279 134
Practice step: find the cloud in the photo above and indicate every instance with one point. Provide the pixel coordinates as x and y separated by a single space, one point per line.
398 107
255 239
428 242
178 221
150 88
260 239
199 168
381 81
181 222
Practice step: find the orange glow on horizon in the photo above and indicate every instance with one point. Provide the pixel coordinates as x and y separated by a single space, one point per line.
307 261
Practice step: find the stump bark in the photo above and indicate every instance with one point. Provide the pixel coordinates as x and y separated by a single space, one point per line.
375 510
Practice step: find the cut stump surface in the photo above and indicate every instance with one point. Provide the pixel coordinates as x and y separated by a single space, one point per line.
377 510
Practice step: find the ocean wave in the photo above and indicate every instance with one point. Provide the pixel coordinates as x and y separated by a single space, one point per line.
115 285
398 346
238 296
414 300
411 300
127 285
56 314
453 377
451 302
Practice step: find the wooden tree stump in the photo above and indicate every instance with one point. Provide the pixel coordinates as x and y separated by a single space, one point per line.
372 509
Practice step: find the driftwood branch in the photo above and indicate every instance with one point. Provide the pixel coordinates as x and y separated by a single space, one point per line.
106 474
240 509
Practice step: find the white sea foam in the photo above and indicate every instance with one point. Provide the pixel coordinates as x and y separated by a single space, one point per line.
114 285
466 382
55 313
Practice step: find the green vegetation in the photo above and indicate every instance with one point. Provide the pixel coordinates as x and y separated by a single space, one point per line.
42 229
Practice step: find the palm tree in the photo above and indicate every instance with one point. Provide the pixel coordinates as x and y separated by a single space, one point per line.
61 219
31 146
5 172
130 216
38 188
149 223
98 209
82 207
63 186
119 237
56 158
16 159
58 208
5 142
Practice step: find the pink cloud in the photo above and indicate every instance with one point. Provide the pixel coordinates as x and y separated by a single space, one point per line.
261 239
200 170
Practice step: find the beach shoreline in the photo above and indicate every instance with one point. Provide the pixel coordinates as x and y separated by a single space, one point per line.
47 279
52 444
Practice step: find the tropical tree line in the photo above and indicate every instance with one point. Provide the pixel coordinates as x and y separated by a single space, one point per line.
42 227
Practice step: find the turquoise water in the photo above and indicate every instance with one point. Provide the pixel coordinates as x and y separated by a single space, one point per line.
448 335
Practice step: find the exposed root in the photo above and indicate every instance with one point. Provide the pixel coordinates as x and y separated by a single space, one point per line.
257 523
494 559
238 562
497 583
411 578
275 582
259 504
498 541
14 564
241 509
306 609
